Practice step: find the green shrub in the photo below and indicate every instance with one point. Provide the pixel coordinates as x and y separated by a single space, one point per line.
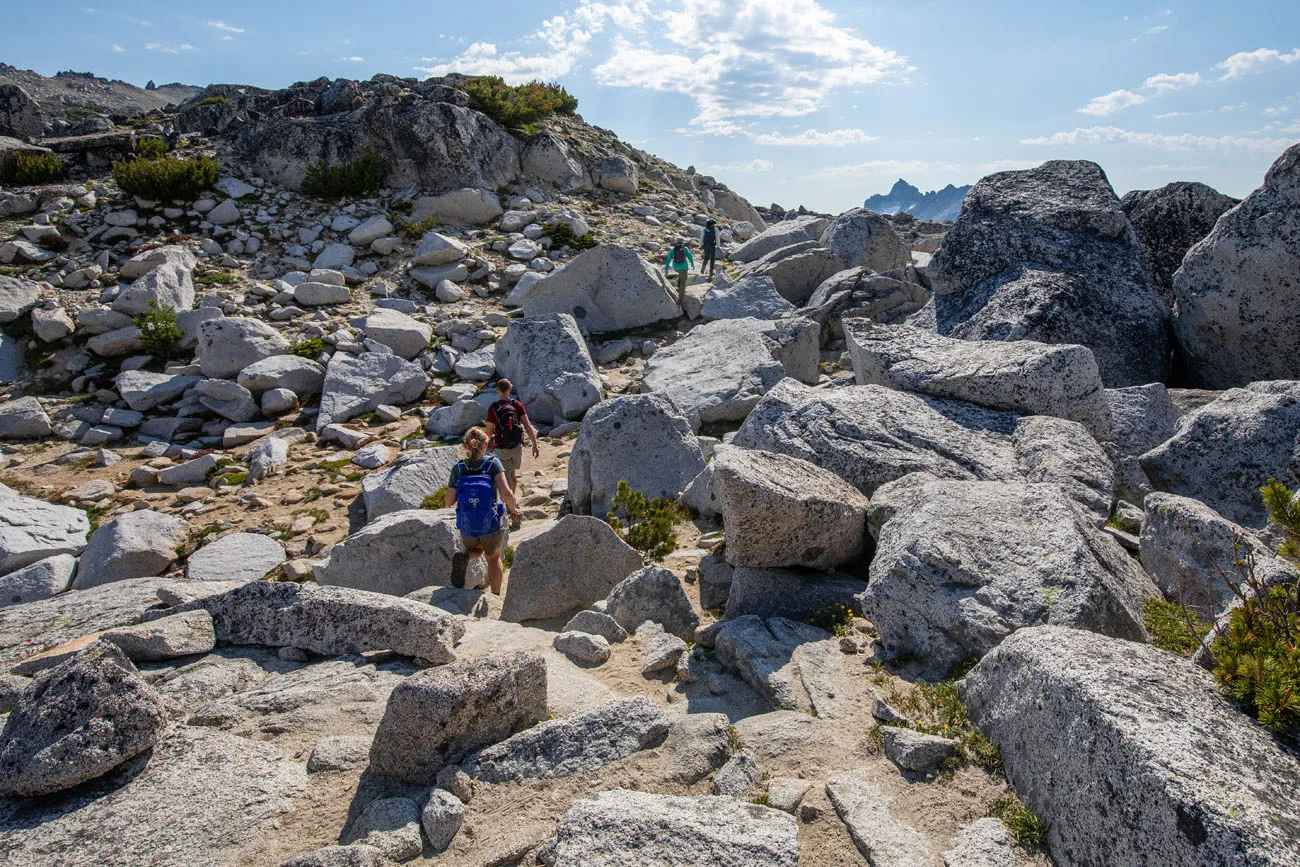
215 100
562 236
518 106
413 229
436 500
36 169
1024 826
159 335
836 619
1172 627
216 278
508 556
645 524
360 177
309 348
1284 511
166 178
150 148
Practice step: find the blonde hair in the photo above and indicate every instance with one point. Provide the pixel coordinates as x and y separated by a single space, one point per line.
475 443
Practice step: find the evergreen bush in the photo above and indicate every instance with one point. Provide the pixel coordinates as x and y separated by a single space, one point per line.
359 177
150 148
159 335
518 106
646 524
166 179
31 169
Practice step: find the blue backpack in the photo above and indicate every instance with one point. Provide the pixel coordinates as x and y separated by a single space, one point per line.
478 513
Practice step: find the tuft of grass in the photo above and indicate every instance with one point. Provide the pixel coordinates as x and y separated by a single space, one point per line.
215 100
234 477
166 179
935 709
359 177
508 556
734 740
309 348
761 800
436 500
836 619
413 229
1173 629
31 169
216 278
1024 826
159 334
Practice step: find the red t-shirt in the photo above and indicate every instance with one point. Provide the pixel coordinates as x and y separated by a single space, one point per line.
492 415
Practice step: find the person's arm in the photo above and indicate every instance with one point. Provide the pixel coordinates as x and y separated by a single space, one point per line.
507 496
668 262
532 434
450 496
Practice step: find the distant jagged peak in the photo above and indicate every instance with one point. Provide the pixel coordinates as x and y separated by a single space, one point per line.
942 204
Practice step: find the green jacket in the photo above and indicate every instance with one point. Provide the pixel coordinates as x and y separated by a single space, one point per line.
680 266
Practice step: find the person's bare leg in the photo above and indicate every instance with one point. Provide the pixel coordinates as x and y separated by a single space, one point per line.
473 555
495 574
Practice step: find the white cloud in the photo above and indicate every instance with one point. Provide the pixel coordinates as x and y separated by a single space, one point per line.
560 42
1170 114
836 138
1276 110
1166 82
352 60
221 25
169 49
1159 28
1112 102
1245 63
746 167
117 49
1184 141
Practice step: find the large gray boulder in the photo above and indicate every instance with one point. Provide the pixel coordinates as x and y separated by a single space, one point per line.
407 337
863 292
865 239
1047 254
226 346
547 361
1020 375
783 511
20 114
655 594
143 390
168 254
784 234
396 554
1223 452
641 439
789 593
437 717
408 481
17 297
169 286
796 271
23 419
746 298
606 288
77 722
437 145
1125 749
241 557
330 620
620 827
467 206
40 580
718 372
959 566
355 384
618 174
548 158
567 566
868 435
1141 418
133 545
1169 222
1237 306
302 376
577 744
31 530
180 635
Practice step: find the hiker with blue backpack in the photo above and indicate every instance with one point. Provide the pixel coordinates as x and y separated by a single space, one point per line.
479 492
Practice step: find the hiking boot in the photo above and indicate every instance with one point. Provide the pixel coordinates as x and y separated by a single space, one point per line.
459 565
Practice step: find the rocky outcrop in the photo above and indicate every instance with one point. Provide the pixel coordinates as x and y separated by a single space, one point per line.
748 297
864 293
785 234
1169 222
548 158
226 346
640 439
1044 254
864 239
959 566
1236 314
20 115
546 360
1124 749
655 594
1141 418
607 288
1023 376
567 566
797 270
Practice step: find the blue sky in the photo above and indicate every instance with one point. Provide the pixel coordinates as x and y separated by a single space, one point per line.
814 102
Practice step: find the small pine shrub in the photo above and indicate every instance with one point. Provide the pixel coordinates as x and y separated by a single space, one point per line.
31 169
309 348
414 229
1172 628
562 236
150 148
166 179
1024 826
215 100
646 524
836 619
1284 511
360 177
159 335
519 106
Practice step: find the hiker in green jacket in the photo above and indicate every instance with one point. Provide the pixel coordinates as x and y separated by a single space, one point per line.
680 260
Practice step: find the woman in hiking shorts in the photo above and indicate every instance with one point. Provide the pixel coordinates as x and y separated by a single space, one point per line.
489 544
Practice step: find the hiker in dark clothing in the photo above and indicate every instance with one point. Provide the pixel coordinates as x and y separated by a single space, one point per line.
710 246
680 260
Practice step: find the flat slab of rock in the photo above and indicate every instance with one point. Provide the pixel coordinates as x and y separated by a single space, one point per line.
436 717
77 722
982 843
241 557
355 384
769 655
182 634
1123 748
577 744
883 840
621 827
747 297
567 566
31 530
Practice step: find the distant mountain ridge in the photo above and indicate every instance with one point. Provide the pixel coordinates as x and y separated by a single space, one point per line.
942 204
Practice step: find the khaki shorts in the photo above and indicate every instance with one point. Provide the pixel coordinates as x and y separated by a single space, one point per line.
512 460
489 545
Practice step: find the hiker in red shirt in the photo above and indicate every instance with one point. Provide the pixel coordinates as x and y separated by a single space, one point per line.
507 422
